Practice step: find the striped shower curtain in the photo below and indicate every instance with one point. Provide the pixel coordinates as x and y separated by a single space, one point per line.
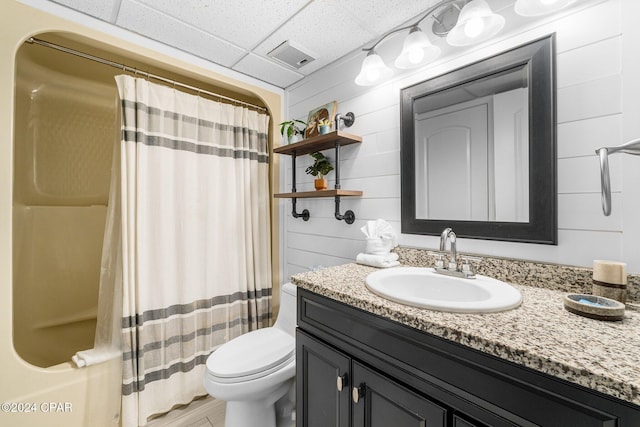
195 239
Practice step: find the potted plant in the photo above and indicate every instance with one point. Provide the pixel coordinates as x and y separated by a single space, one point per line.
319 169
292 129
324 126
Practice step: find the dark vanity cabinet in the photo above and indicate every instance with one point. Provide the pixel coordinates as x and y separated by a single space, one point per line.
358 369
324 399
339 391
379 401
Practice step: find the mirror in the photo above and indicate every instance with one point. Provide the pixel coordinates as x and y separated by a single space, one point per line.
478 149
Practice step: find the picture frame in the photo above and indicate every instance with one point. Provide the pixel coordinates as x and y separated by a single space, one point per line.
326 111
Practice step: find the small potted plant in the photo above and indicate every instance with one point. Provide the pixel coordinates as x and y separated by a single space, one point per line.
319 169
324 126
293 130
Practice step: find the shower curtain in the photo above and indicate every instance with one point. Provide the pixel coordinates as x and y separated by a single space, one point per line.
196 269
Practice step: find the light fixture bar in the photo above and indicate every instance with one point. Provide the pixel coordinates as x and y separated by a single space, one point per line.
429 12
417 49
463 22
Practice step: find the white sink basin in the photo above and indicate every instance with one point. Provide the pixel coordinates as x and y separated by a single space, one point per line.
424 288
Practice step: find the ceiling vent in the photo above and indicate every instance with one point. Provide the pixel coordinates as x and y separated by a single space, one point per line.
292 55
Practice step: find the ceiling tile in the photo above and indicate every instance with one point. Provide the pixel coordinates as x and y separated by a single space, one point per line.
381 17
241 22
325 34
264 69
158 26
104 9
239 33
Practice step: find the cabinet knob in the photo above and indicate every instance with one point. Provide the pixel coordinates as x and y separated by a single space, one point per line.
342 382
357 393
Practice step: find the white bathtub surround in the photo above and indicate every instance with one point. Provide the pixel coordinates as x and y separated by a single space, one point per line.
195 234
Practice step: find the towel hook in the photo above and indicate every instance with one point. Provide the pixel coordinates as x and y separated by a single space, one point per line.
631 147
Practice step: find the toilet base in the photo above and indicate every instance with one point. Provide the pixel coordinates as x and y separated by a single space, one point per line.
251 413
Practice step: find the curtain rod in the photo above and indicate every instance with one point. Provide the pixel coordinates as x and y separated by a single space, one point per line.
33 40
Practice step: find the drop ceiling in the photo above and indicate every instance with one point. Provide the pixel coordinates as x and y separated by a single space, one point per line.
239 34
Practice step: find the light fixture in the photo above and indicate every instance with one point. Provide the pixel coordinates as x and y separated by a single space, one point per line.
417 50
540 7
373 70
476 23
473 19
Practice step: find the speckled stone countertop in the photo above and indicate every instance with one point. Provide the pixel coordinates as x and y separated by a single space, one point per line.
540 334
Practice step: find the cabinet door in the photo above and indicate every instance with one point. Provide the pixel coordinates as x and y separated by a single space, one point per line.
321 372
381 402
462 422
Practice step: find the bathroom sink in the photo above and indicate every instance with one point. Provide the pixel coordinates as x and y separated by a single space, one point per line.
424 288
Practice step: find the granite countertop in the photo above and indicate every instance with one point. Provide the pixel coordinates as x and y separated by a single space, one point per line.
540 334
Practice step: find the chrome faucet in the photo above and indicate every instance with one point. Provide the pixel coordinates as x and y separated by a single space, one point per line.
448 234
452 268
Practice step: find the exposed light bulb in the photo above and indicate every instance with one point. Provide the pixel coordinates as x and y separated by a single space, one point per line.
416 50
474 27
373 70
415 55
476 23
373 75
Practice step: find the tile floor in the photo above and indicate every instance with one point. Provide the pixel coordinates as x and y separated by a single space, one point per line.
203 412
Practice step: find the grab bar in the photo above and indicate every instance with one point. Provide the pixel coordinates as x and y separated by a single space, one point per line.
631 147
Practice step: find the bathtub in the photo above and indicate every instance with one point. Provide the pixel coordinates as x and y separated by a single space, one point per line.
53 203
66 124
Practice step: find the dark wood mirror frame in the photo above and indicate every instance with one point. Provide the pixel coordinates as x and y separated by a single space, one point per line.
542 227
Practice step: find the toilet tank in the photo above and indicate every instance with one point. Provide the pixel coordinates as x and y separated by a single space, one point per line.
287 315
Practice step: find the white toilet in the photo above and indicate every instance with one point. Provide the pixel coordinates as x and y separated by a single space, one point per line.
254 373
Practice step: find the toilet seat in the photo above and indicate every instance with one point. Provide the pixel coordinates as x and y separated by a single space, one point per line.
252 355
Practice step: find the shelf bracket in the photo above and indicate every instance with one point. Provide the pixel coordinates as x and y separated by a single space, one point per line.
305 213
349 217
347 119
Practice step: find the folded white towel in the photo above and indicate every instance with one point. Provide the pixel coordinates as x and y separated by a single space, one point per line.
380 237
94 356
380 261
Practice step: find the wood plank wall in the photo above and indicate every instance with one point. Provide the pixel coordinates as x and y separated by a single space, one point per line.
589 99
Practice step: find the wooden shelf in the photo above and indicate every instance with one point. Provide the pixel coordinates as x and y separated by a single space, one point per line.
317 193
319 143
332 140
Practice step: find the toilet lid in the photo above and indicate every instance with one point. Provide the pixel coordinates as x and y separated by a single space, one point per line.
261 351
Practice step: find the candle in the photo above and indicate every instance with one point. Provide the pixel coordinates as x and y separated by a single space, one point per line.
610 279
